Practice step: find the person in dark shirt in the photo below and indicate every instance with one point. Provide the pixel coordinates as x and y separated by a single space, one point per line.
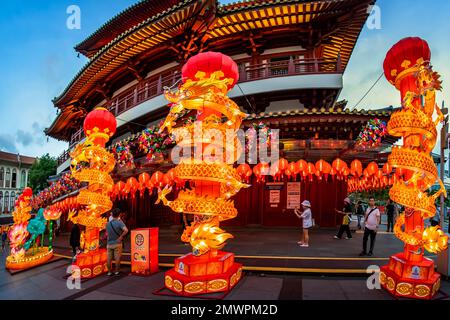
390 213
345 226
116 231
359 213
75 234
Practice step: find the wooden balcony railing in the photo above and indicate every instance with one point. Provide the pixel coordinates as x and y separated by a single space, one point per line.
154 86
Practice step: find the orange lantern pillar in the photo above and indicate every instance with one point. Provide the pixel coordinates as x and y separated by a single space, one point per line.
207 77
407 67
99 126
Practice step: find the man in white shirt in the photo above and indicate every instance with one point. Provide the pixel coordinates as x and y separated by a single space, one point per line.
371 221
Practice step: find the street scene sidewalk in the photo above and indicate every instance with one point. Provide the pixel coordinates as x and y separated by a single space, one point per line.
275 267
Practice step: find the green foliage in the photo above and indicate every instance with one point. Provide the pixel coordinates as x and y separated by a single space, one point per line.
44 167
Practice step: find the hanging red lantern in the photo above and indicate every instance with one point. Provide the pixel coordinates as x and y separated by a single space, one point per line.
283 164
257 172
132 185
206 63
167 181
372 168
302 165
339 165
100 125
120 187
157 179
242 170
401 62
387 168
356 168
311 170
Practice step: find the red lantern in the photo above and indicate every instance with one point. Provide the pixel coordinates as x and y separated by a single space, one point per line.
144 178
339 165
387 168
372 168
132 185
157 179
167 181
283 164
208 63
100 125
120 187
405 54
27 192
356 168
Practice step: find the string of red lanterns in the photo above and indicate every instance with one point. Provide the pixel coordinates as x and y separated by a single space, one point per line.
145 182
359 179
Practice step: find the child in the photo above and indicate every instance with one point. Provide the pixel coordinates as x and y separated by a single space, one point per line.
306 215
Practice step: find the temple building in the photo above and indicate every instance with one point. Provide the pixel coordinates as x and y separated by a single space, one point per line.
14 171
291 56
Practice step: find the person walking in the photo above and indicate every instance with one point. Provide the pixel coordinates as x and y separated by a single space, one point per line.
359 213
75 234
116 231
390 213
372 220
306 215
345 226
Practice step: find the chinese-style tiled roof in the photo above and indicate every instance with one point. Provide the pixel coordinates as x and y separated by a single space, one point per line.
141 37
234 18
120 23
261 14
337 111
16 158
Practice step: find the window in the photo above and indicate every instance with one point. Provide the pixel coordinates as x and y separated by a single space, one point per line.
8 178
23 179
6 200
2 177
1 201
12 201
14 179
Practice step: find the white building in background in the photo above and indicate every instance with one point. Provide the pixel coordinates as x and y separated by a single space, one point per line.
14 170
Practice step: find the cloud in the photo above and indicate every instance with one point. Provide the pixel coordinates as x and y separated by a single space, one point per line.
7 143
24 138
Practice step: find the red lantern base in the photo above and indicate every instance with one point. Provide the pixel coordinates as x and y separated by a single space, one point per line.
210 273
90 264
407 279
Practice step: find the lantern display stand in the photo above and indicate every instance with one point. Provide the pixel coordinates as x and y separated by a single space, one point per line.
207 77
409 274
92 163
213 272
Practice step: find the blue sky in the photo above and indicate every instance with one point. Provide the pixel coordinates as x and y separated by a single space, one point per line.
38 59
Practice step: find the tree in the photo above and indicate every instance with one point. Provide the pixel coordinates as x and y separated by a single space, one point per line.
43 167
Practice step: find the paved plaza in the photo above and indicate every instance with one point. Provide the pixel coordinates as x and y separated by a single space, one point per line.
275 268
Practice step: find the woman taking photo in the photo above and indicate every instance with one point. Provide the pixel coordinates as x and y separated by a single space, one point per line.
306 215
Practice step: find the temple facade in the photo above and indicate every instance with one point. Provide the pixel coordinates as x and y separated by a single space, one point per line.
291 56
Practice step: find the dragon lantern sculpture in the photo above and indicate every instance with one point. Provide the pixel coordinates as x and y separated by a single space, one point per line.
92 164
207 77
407 67
25 253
